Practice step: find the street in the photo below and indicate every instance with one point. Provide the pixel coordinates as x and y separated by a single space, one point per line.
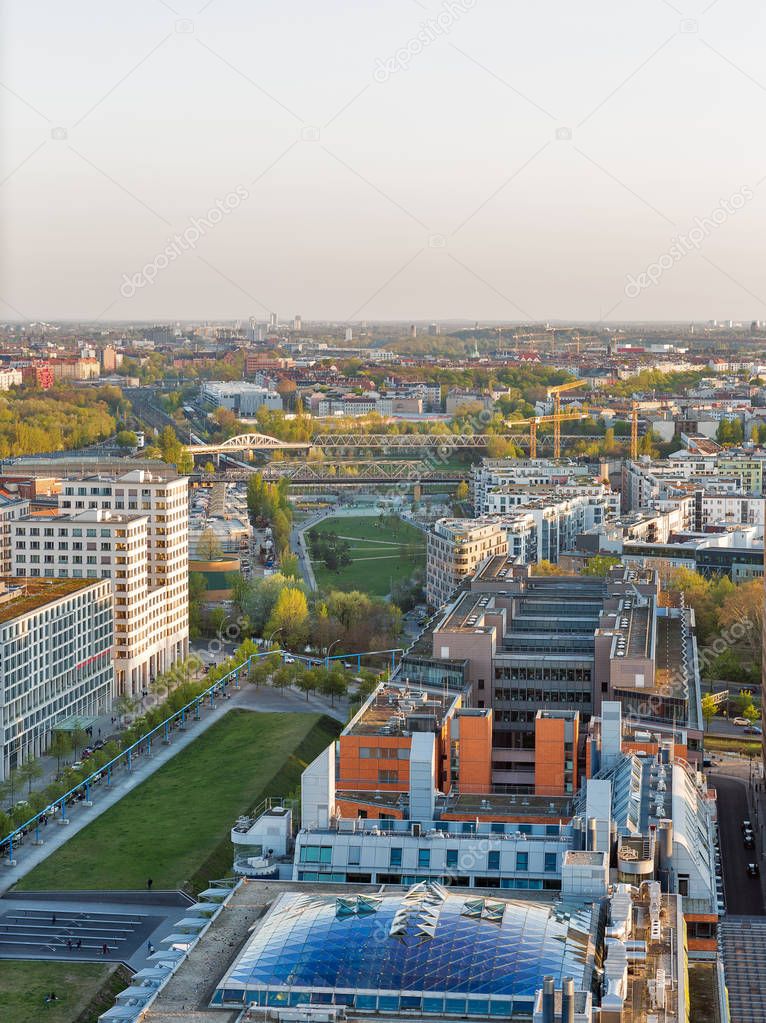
744 895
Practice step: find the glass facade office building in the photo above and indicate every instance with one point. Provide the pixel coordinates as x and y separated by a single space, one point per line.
425 951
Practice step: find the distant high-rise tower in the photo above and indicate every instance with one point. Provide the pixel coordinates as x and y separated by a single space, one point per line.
273 321
434 330
413 330
349 334
297 323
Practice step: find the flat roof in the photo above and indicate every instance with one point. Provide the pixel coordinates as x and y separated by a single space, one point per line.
396 709
23 596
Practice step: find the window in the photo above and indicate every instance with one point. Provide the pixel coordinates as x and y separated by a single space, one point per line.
395 859
452 857
354 853
424 857
550 862
316 854
388 777
493 860
522 861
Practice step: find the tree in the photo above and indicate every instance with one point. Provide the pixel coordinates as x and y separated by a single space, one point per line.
125 705
709 709
600 565
752 713
79 737
209 546
289 566
209 468
462 492
547 568
743 606
334 684
308 681
29 772
126 439
61 746
290 617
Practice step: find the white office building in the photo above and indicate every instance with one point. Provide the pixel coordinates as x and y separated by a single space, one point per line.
56 639
152 597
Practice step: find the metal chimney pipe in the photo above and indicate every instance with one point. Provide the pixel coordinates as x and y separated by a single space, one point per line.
549 1000
592 834
567 1000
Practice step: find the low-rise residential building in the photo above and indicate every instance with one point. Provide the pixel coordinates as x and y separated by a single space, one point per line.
56 638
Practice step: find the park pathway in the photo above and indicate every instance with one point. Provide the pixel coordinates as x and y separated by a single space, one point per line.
263 699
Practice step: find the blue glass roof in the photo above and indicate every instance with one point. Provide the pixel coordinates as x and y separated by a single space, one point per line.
423 941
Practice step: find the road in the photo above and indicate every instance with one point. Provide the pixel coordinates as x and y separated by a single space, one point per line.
744 895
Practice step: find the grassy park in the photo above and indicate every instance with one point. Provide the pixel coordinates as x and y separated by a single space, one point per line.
174 827
83 991
383 549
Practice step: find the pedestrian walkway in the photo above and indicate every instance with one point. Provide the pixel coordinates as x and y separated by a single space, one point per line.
111 926
27 855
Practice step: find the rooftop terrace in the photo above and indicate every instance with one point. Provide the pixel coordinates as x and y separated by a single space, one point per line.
399 710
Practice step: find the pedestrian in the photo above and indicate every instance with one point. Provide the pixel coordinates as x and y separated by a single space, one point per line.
149 948
149 884
79 944
105 949
53 920
69 944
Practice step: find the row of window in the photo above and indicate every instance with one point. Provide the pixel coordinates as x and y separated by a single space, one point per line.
323 854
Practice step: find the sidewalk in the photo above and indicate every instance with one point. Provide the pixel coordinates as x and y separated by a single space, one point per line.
264 699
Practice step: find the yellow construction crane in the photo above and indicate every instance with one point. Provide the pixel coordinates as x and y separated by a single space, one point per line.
555 393
567 417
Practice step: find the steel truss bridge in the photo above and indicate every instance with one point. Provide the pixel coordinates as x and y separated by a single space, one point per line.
370 442
344 473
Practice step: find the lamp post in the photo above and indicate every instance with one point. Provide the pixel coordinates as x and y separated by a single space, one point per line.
327 655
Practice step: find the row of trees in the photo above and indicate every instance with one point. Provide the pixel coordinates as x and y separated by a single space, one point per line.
270 501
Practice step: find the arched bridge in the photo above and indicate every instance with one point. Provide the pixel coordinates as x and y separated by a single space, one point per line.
249 442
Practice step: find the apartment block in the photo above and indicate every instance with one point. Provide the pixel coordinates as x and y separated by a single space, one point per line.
455 547
11 509
154 597
97 544
56 638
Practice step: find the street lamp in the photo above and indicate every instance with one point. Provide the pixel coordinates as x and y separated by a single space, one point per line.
327 655
268 641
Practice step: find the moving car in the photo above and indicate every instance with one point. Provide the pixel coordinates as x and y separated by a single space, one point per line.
753 870
749 840
740 722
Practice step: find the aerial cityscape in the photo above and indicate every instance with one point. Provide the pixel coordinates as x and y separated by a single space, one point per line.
382 513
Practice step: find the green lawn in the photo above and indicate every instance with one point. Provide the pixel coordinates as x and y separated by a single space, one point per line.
174 828
381 554
83 991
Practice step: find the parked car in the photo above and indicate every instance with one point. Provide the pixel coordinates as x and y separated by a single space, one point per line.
740 722
289 659
753 870
753 730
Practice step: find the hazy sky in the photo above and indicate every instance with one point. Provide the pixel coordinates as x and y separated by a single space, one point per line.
486 159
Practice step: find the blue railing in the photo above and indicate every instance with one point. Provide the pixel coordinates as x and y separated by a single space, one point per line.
125 757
